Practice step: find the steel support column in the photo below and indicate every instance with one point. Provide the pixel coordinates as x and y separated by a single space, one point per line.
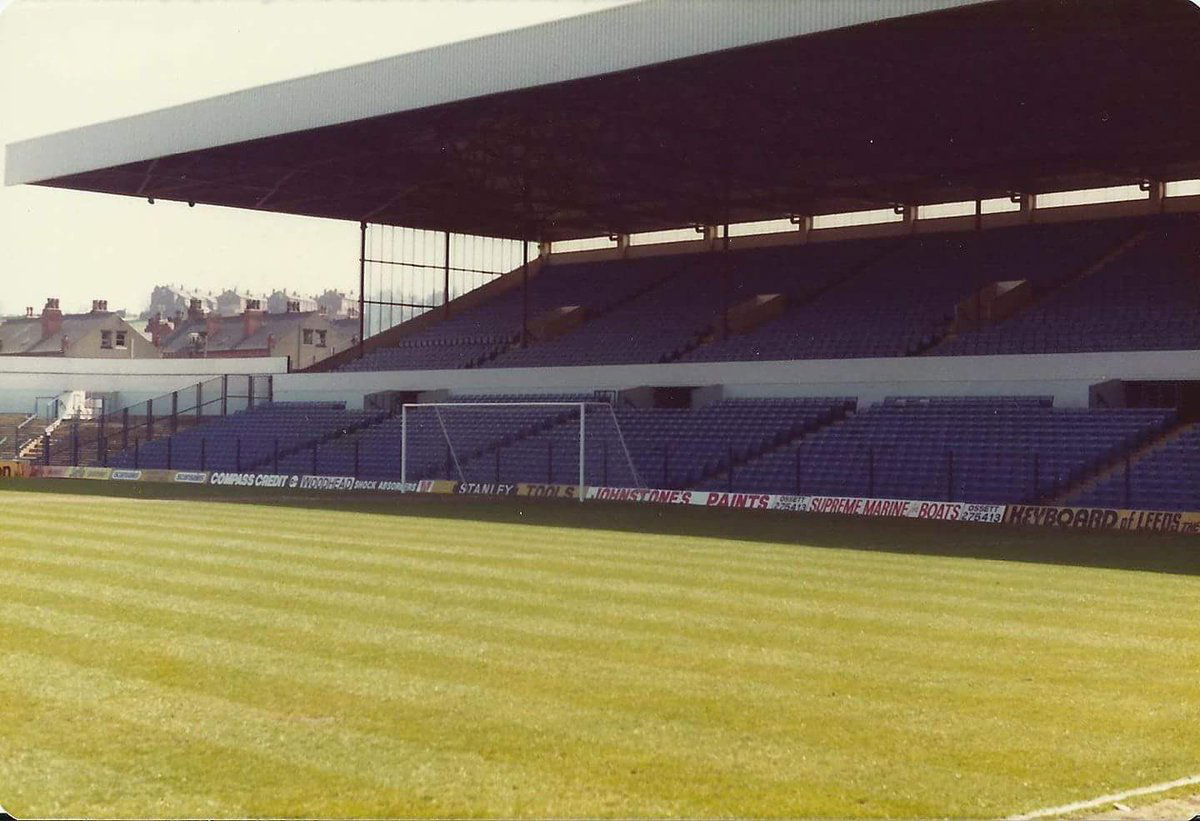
726 276
362 284
446 276
524 293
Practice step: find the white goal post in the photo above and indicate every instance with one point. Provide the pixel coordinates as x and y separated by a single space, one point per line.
459 438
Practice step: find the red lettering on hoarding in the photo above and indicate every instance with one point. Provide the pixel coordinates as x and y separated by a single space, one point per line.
834 504
942 511
755 501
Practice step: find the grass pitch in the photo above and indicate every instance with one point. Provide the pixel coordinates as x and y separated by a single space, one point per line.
196 657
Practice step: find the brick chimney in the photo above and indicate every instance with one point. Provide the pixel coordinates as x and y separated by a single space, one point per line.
52 318
159 330
293 306
99 306
252 318
29 312
195 310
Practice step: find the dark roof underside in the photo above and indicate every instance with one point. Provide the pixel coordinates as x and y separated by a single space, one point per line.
1015 95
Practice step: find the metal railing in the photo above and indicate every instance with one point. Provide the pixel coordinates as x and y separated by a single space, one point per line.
94 441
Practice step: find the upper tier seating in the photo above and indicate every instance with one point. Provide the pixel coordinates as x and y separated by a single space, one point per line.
466 339
1166 478
899 305
671 318
860 298
245 440
993 450
1148 298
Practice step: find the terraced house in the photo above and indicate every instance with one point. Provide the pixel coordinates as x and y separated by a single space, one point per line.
97 334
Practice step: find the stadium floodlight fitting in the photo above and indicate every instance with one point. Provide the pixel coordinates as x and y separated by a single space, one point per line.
1016 197
898 208
191 203
796 219
150 200
699 229
1145 184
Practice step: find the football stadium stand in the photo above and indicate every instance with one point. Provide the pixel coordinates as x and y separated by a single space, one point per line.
1003 333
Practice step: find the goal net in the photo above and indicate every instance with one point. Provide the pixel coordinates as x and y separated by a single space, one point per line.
553 442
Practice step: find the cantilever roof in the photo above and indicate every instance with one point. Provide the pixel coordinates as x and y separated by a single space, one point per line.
667 112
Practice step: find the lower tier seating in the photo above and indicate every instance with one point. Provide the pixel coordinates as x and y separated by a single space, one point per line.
1165 478
986 450
246 440
1005 449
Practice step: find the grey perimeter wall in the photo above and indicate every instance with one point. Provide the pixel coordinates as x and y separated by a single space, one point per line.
1066 377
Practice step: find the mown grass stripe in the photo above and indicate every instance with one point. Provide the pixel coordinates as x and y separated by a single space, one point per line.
541 712
379 763
633 621
50 770
685 746
537 628
815 586
519 545
696 670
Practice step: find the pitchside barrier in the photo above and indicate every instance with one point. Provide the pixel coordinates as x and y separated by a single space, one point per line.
1094 518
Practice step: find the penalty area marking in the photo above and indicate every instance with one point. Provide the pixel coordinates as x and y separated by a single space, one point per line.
1049 812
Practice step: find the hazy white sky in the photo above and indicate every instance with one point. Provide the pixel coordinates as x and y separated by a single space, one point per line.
65 63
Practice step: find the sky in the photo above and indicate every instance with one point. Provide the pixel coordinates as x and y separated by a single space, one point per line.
67 63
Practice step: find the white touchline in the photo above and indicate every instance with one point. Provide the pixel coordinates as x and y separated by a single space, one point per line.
1186 781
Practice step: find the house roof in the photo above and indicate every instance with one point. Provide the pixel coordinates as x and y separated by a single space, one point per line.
24 334
228 332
